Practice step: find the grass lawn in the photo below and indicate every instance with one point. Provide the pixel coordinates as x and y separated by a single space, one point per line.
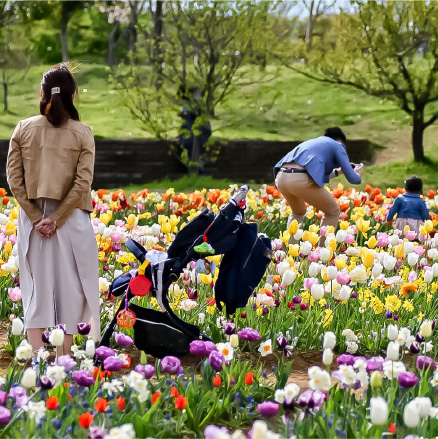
302 109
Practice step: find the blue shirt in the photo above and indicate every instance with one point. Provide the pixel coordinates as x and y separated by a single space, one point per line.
320 157
409 206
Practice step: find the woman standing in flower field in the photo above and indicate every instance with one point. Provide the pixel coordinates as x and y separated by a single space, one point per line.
301 174
411 210
50 170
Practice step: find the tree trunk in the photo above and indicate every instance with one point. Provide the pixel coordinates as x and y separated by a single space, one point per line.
157 55
309 29
417 136
5 97
112 43
64 36
194 163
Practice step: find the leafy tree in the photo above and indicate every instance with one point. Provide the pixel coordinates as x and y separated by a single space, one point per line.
387 49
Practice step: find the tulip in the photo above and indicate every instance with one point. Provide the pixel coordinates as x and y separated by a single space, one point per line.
3 397
234 341
5 415
90 347
392 351
17 326
46 383
411 415
197 347
315 268
343 278
113 364
56 337
249 334
84 328
376 379
268 409
28 379
216 360
378 410
123 340
329 340
414 348
392 332
66 362
412 259
327 357
103 352
230 328
426 329
324 254
424 405
288 277
83 378
368 259
344 293
171 365
317 291
428 276
407 379
377 270
424 362
346 359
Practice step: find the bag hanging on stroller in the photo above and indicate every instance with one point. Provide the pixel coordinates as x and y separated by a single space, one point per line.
162 333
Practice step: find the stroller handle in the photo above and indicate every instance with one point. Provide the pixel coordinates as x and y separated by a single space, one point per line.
241 194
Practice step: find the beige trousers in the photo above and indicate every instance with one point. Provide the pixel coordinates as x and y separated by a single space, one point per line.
301 188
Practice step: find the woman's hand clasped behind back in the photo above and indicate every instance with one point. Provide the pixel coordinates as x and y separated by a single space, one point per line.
46 227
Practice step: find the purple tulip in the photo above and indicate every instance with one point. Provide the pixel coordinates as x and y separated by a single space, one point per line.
123 340
407 379
375 363
354 295
84 328
346 359
96 432
146 370
268 409
414 348
46 383
296 299
312 399
3 397
83 378
63 327
230 328
216 360
396 317
419 338
66 361
5 416
213 432
17 392
281 342
424 362
113 364
249 334
209 347
45 337
103 352
197 347
171 365
388 314
21 401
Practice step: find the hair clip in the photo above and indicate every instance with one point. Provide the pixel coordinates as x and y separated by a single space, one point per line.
56 90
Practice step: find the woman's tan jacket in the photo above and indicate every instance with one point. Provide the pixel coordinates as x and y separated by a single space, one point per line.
49 162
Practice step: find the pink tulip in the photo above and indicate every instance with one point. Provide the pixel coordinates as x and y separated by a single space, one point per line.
413 276
15 294
323 230
275 287
119 223
96 221
140 207
116 237
419 250
382 239
13 239
309 281
343 278
313 256
410 235
278 243
349 239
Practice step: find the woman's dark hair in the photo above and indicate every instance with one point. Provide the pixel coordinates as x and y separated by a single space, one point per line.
335 133
58 90
414 185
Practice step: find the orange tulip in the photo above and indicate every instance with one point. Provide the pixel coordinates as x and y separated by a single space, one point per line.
52 403
121 403
101 405
180 402
155 396
85 420
249 378
217 381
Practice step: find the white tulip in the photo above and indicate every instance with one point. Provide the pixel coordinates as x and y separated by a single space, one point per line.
411 414
279 255
317 291
389 262
28 379
413 258
90 347
282 267
393 239
155 229
424 405
324 254
288 277
428 276
392 351
56 337
332 271
299 234
327 357
392 332
15 250
352 252
23 351
101 228
3 219
17 326
377 269
340 235
234 341
426 328
306 248
315 269
107 232
329 340
378 410
408 247
435 267
433 253
345 293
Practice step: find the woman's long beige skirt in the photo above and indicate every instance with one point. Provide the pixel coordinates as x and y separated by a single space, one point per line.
59 276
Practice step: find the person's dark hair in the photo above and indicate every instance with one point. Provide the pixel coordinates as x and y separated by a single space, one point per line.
335 133
57 105
414 185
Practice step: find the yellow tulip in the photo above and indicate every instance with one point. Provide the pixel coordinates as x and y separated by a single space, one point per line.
285 237
166 228
324 275
174 220
422 230
313 238
131 220
329 230
340 263
8 247
314 228
344 225
362 225
293 227
162 219
305 236
428 225
14 213
294 250
372 242
399 251
10 228
368 259
406 229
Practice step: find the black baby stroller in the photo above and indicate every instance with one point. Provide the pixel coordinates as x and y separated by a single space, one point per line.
246 257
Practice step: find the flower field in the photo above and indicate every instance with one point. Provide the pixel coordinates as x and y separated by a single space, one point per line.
365 302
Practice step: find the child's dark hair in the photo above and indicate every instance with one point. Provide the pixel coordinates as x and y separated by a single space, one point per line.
414 185
335 133
58 90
